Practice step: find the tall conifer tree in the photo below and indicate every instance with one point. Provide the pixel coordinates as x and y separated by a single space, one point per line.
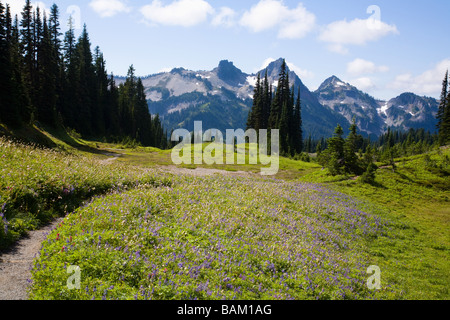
441 111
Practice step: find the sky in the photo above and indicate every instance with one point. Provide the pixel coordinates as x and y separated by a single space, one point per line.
382 47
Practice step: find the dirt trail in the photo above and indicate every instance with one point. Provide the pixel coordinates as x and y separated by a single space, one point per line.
113 157
203 172
16 263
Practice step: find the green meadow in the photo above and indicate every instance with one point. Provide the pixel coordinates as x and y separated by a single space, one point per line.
137 231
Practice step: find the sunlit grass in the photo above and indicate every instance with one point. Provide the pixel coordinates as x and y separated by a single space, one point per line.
416 196
37 184
215 238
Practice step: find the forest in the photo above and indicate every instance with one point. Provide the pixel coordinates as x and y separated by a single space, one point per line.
59 82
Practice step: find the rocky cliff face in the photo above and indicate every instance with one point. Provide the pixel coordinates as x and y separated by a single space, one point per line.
222 98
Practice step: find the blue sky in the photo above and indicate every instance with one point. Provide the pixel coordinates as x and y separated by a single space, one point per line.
382 47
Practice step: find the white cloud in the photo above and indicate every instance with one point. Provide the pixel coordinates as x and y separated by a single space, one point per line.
302 73
361 66
226 18
427 83
108 8
185 13
17 7
338 48
356 32
268 14
266 63
363 84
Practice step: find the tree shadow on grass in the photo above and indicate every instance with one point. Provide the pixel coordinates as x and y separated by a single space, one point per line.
41 137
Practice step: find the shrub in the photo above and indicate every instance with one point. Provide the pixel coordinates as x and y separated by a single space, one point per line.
369 175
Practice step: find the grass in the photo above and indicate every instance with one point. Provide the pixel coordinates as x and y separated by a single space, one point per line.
224 222
152 157
214 238
38 184
416 197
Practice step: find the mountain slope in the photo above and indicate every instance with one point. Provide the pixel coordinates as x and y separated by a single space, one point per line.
318 120
222 99
411 111
374 117
351 103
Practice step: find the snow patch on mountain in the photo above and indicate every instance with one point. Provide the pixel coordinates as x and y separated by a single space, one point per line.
251 80
383 109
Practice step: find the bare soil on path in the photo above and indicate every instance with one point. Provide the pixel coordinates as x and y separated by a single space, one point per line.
16 263
204 172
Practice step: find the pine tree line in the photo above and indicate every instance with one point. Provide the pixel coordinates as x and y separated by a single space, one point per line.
405 143
443 115
278 110
355 154
341 156
64 84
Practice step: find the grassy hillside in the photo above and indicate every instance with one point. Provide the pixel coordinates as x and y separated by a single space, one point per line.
38 184
302 234
214 238
416 197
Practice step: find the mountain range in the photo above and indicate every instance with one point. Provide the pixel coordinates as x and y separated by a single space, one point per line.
222 99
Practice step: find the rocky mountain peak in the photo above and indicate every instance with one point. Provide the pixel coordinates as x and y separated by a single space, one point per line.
227 72
332 83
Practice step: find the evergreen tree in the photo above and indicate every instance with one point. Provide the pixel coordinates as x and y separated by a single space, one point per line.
443 115
333 157
441 111
112 125
275 112
370 173
8 23
14 105
19 93
54 27
67 86
27 33
46 96
144 130
127 102
158 133
279 111
281 97
101 89
368 157
350 148
297 125
284 84
85 78
447 120
319 148
255 115
7 114
69 44
55 34
284 129
69 81
266 102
